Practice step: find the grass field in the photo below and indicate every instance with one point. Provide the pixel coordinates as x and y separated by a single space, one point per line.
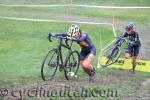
23 45
98 2
49 12
26 40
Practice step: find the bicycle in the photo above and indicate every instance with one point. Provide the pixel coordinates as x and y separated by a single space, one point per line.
114 53
54 59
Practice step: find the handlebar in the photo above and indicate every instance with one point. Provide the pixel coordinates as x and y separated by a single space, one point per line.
120 40
60 37
120 37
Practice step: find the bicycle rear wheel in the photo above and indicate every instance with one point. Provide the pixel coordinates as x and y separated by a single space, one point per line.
111 57
50 64
72 65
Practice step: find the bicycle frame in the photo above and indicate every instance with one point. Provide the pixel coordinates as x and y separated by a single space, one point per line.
60 45
118 43
55 60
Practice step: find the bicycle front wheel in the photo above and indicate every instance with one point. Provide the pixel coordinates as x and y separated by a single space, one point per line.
50 64
72 65
111 57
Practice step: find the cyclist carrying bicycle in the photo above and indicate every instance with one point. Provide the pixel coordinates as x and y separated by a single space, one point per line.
88 50
134 44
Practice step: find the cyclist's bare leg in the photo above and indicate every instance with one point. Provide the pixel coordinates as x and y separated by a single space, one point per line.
86 69
127 55
134 63
86 64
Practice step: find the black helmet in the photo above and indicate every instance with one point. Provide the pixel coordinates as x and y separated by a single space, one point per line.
129 26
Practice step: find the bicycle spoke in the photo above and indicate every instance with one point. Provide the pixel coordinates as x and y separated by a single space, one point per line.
72 65
49 65
112 57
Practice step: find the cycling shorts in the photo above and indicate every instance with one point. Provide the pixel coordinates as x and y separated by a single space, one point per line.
84 53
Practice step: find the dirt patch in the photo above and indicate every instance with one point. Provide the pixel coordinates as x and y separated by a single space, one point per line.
146 82
142 93
102 82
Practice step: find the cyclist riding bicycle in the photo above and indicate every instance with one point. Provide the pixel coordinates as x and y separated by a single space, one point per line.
134 44
88 50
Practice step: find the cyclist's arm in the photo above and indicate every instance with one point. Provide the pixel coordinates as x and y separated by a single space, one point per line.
79 39
136 39
124 35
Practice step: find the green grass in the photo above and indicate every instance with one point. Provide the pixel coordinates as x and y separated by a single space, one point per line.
23 45
97 2
141 15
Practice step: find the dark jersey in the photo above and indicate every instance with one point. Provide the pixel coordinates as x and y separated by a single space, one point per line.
133 37
84 41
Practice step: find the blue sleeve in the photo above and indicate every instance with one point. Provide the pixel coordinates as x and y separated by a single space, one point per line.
83 37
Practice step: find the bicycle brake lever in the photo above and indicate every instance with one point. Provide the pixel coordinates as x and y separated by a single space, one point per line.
66 41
